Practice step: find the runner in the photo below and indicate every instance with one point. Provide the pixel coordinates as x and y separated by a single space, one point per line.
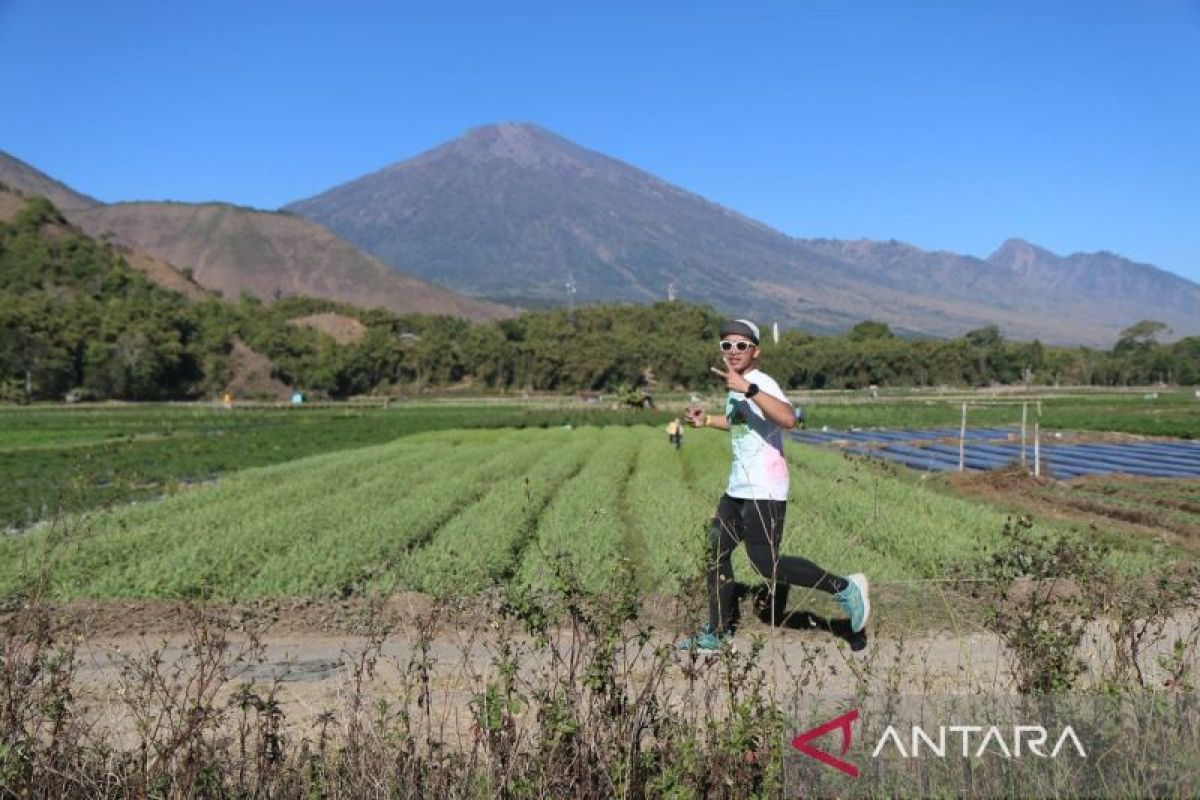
675 433
755 501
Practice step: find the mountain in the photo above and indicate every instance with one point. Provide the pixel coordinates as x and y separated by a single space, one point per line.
234 249
20 176
157 270
269 254
1084 298
517 213
1126 286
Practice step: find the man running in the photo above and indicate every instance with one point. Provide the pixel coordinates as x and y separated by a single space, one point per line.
755 500
675 433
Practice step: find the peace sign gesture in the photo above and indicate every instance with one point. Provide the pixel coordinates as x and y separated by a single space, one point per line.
733 379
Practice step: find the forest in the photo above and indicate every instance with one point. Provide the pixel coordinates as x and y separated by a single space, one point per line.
76 319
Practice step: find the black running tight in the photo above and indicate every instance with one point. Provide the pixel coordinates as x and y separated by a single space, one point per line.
759 524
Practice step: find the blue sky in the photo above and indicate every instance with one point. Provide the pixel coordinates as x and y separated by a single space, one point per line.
948 124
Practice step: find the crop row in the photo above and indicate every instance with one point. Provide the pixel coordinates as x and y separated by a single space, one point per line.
484 544
307 527
455 511
60 459
584 525
850 516
668 510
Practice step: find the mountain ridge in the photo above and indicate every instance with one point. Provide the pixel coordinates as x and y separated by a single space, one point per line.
28 179
516 211
518 214
231 248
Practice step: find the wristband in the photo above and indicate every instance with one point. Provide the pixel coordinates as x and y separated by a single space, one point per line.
751 390
708 420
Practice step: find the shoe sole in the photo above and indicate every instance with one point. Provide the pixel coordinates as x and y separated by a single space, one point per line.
864 591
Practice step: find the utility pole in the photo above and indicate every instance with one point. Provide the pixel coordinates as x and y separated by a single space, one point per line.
1037 442
1024 418
571 297
962 440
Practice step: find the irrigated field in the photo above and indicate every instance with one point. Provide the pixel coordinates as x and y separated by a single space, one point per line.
64 458
1166 413
266 580
455 511
57 458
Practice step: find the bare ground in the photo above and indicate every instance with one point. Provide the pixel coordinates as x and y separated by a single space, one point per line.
249 374
339 327
316 653
1147 507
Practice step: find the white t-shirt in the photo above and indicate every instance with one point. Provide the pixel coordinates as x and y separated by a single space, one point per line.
759 470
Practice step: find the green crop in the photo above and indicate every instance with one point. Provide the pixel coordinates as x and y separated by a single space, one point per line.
584 523
56 459
483 545
455 511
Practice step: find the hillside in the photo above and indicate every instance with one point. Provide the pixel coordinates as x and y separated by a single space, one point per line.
75 318
1082 298
518 213
157 270
235 250
20 176
85 318
270 255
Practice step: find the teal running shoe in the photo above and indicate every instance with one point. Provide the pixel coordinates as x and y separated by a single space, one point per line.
855 600
705 641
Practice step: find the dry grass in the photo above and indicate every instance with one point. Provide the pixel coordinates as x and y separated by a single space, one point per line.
567 693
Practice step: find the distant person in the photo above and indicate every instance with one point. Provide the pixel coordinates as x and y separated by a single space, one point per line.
753 507
675 433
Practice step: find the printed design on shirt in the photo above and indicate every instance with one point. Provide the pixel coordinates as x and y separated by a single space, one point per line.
739 426
759 468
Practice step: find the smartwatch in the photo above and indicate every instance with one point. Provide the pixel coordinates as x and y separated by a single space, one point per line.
752 390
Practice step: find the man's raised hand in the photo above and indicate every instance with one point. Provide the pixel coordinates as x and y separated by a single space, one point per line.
733 379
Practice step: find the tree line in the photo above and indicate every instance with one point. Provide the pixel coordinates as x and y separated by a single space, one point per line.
76 318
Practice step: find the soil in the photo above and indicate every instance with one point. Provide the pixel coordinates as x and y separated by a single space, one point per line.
250 375
339 327
164 274
10 205
1093 500
314 653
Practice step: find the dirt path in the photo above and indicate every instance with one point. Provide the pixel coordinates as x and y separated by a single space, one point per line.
316 675
316 671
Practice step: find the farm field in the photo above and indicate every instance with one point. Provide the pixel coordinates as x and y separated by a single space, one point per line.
365 570
1163 508
1168 413
455 511
79 458
56 458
